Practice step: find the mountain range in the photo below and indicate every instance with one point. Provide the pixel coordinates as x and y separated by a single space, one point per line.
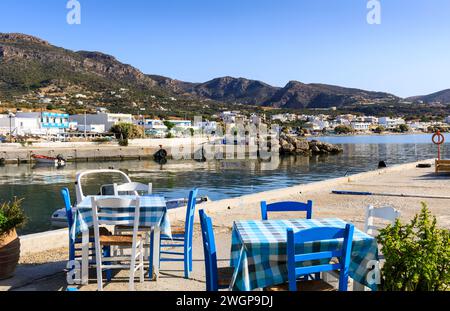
28 63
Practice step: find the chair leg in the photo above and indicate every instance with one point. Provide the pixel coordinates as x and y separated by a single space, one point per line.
186 265
141 262
98 261
190 259
150 259
107 253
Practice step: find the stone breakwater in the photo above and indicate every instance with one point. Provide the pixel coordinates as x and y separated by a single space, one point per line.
301 146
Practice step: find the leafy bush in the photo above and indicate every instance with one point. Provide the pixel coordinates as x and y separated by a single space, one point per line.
127 131
343 129
403 128
417 255
169 125
11 216
379 129
123 142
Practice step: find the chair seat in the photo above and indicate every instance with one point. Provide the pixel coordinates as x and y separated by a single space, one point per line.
224 276
119 240
102 230
130 228
307 286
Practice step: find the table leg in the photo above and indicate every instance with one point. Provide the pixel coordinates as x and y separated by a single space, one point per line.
85 258
156 248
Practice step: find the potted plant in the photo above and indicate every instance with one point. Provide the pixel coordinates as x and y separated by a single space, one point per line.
417 255
11 218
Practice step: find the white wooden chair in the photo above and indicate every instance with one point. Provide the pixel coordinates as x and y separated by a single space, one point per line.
387 213
132 188
134 262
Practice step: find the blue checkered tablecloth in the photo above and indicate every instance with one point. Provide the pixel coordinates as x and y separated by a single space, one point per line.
153 212
260 249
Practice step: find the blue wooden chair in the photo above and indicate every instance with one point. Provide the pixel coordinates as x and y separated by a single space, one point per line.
182 236
216 278
318 234
286 207
73 242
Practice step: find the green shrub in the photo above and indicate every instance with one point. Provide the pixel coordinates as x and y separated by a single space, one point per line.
11 216
127 131
343 129
417 255
123 142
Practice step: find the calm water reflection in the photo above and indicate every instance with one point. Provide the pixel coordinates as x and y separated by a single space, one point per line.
40 186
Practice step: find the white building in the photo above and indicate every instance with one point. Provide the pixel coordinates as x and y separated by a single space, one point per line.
34 123
106 119
230 117
91 128
206 125
360 126
390 123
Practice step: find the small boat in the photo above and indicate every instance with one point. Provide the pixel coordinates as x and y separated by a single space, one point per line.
44 160
59 217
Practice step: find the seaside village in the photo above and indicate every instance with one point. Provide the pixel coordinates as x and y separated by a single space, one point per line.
28 126
118 218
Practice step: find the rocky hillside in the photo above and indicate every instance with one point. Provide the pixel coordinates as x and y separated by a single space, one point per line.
29 63
442 97
299 95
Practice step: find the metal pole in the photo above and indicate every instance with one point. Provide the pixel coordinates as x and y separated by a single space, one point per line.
10 128
85 133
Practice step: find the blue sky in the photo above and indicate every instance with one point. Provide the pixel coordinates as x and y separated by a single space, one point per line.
322 41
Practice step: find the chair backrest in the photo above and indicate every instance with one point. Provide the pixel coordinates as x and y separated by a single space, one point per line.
68 206
190 215
209 249
115 211
132 188
286 207
386 213
343 253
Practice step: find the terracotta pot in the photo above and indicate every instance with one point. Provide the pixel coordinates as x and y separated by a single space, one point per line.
9 253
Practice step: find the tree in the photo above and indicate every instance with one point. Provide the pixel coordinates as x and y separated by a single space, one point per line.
169 125
127 131
403 128
343 129
379 129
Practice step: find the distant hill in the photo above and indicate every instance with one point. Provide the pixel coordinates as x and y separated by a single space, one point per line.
225 89
29 63
442 96
299 95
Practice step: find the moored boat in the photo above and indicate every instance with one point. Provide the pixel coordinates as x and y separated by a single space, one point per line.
41 159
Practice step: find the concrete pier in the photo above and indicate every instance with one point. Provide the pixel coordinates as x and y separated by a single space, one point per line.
138 149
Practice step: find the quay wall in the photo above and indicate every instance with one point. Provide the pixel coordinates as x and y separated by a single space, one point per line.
137 149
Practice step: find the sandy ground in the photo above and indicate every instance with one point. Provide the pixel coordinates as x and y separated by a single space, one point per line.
405 179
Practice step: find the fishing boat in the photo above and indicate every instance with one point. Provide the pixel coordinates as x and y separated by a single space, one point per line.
59 217
45 160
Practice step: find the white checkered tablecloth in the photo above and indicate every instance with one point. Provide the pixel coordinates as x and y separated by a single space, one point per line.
260 247
153 212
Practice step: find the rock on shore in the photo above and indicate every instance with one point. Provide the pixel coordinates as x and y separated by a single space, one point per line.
301 146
